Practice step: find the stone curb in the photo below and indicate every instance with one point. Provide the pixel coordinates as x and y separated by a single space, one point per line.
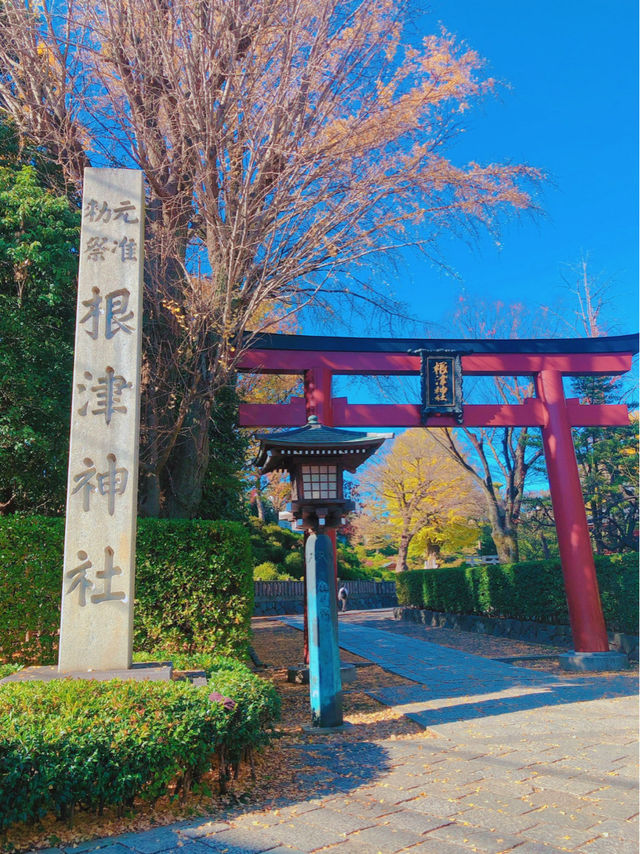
544 633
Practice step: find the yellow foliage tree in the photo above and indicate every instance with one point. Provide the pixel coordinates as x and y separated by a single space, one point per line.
418 492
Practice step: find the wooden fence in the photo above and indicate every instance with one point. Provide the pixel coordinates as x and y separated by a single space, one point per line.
287 597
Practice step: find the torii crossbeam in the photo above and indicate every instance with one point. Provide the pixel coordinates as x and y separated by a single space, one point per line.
547 361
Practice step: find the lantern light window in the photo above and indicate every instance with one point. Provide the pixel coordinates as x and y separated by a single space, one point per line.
320 481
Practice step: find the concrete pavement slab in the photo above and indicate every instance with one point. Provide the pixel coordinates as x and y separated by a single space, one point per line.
476 838
154 841
610 846
238 839
386 838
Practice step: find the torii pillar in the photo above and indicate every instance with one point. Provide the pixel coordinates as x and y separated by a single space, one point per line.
578 568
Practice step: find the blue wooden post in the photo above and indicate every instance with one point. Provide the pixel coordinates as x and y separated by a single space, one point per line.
324 655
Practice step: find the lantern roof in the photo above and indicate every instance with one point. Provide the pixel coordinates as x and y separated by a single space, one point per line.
280 450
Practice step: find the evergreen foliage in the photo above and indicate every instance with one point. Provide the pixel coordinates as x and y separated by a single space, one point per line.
39 233
223 486
532 590
269 571
272 544
194 587
608 463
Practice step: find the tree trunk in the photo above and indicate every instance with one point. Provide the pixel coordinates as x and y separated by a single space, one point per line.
545 546
403 548
506 545
504 535
149 491
597 526
149 495
432 556
259 501
184 475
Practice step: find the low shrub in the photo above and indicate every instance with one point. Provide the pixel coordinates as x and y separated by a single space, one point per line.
194 586
267 571
65 744
258 702
294 563
95 744
271 543
31 554
257 706
8 669
532 590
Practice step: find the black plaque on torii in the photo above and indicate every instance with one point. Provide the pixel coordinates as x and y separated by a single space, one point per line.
440 383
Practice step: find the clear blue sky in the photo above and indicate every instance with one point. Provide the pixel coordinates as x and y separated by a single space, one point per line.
570 108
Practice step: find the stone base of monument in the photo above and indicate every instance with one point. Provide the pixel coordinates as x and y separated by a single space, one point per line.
593 662
300 674
148 671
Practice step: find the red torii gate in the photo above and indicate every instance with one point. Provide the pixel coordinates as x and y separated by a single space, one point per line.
319 358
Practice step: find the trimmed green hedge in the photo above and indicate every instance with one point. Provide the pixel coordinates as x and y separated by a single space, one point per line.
194 587
31 553
65 744
533 590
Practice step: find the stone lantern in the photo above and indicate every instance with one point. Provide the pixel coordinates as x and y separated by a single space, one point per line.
316 457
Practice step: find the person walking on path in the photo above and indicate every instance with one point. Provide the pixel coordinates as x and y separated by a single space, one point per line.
343 595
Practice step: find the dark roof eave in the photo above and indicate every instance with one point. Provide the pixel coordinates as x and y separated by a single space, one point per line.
270 462
605 344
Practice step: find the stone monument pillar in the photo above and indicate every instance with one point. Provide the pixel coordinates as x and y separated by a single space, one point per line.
96 625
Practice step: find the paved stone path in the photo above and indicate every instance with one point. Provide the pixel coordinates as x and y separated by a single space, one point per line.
522 761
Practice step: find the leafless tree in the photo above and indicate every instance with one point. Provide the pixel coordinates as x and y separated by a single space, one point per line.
285 143
499 458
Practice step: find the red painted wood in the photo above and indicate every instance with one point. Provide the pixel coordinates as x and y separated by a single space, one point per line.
291 414
529 414
578 568
289 362
478 364
317 394
523 364
598 415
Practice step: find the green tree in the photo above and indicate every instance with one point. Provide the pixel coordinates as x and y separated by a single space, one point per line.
608 464
226 461
537 538
39 232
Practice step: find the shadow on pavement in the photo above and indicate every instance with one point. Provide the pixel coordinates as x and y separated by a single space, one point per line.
410 698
